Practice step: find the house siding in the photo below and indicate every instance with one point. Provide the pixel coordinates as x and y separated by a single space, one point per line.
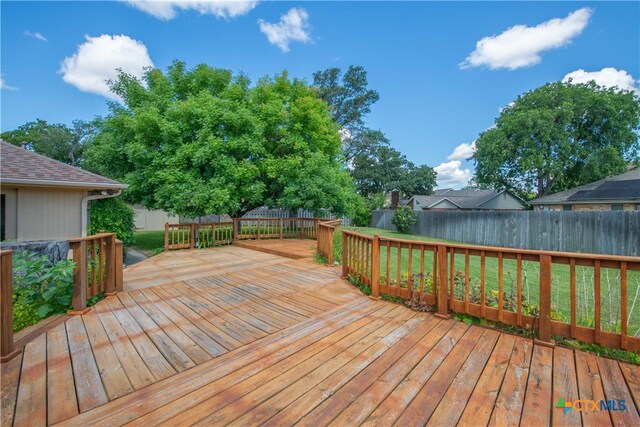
47 214
503 201
588 207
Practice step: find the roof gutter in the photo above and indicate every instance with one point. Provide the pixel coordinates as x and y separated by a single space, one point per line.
85 205
74 184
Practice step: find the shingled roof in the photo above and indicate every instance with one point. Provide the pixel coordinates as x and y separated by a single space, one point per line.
23 167
623 187
464 199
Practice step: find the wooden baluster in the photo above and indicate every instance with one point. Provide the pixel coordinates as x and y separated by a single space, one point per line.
544 322
452 276
7 351
483 295
166 236
597 300
572 290
119 259
409 270
421 272
500 289
80 277
442 282
375 266
396 288
623 307
110 252
467 292
519 289
345 255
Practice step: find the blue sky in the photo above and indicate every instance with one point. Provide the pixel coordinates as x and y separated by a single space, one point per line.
438 88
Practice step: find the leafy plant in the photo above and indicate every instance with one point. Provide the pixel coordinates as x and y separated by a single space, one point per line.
40 288
404 219
112 216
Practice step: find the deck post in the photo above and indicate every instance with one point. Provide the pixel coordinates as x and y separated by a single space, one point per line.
7 352
281 227
258 228
80 278
375 266
234 236
119 258
192 236
544 321
166 236
442 283
330 232
345 259
110 288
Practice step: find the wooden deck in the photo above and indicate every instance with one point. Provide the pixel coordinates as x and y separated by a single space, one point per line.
234 336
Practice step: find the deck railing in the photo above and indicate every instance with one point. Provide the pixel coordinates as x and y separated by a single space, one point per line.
326 230
98 268
578 296
192 236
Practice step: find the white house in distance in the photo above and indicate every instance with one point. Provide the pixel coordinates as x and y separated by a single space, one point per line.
467 200
43 199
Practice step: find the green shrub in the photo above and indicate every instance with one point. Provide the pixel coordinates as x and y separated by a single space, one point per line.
112 216
404 219
361 214
40 288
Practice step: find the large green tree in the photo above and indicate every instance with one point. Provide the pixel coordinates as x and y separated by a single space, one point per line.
385 169
559 136
57 141
203 141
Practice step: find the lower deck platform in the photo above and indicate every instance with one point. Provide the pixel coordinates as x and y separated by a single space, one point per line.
232 336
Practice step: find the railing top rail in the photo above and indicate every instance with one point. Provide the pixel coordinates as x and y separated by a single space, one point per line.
5 251
355 233
578 255
333 224
92 237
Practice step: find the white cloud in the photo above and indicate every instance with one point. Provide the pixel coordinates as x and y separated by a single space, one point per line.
4 85
293 26
608 77
36 35
98 59
167 10
521 46
451 175
463 151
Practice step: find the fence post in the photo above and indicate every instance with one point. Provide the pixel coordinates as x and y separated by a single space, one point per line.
375 266
166 236
80 278
110 289
442 283
7 352
119 258
544 321
192 236
345 259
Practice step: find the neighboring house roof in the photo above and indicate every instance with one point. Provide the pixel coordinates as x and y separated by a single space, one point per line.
19 166
464 199
621 187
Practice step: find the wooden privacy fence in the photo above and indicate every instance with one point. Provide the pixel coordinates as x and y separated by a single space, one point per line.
191 236
98 268
326 229
588 297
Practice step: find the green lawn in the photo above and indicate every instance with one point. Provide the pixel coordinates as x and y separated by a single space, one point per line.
148 241
560 298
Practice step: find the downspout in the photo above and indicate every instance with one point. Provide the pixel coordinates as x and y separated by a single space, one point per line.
85 207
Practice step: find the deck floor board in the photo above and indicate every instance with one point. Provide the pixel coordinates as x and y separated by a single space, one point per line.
240 336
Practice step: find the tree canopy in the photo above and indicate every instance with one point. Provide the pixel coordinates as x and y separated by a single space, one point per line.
205 141
57 141
559 136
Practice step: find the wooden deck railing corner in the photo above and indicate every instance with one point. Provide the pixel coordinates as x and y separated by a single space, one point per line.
7 350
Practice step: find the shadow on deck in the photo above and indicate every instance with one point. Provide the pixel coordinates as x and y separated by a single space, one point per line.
236 336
